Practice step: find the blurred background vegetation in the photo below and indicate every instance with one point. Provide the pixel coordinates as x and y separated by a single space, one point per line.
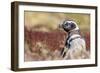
51 20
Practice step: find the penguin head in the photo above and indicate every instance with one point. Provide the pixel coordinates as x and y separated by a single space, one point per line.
69 25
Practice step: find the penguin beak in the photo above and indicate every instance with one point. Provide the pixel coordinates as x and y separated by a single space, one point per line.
60 26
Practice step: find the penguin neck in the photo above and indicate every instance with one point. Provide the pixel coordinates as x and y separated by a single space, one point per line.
70 33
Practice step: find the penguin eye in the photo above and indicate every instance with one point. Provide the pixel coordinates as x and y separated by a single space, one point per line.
67 25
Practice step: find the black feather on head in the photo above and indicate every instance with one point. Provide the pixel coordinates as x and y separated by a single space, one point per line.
68 25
